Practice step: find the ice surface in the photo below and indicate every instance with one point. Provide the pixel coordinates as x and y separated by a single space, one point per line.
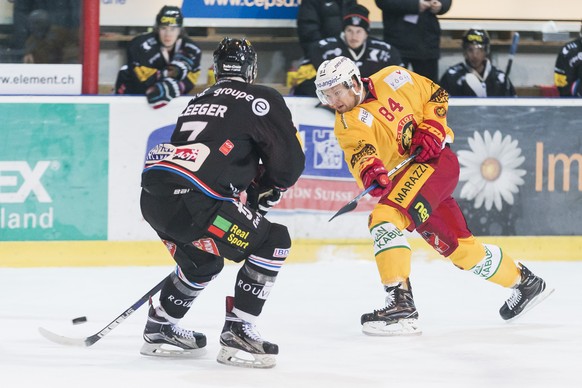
313 314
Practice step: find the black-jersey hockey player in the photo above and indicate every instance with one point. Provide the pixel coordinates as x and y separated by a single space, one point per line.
476 77
369 54
162 64
568 70
190 196
354 42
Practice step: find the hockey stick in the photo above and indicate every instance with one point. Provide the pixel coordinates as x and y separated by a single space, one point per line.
354 202
88 341
512 51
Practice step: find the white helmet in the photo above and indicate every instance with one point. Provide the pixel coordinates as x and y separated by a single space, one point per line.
336 71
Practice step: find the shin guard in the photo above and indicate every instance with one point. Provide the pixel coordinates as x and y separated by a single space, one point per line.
257 276
486 261
392 253
251 292
178 293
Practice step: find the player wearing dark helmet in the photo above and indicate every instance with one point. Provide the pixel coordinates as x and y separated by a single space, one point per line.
568 69
232 137
476 77
235 58
162 64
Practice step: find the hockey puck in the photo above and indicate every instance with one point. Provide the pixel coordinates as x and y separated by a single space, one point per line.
79 320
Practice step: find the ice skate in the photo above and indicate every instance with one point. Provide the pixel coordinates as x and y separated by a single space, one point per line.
398 318
165 339
530 291
242 345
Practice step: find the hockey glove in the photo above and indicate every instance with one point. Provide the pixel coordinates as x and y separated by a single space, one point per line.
162 92
429 136
179 67
262 199
376 172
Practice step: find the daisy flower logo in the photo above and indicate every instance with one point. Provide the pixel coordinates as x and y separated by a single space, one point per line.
490 170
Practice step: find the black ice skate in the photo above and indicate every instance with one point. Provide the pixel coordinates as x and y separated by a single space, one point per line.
529 292
242 345
399 317
165 339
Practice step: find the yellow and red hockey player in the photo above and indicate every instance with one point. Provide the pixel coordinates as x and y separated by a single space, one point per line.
379 122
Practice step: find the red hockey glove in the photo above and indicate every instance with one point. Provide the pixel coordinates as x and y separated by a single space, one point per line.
429 136
376 172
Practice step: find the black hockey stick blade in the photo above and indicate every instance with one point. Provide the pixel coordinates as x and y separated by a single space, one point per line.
88 341
348 207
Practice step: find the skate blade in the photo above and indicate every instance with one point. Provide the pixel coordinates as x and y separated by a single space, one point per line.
403 327
534 302
167 350
234 357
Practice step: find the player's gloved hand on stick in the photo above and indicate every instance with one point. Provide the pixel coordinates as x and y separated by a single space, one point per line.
429 136
162 92
376 172
263 198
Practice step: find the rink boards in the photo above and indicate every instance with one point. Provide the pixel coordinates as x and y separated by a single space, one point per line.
70 180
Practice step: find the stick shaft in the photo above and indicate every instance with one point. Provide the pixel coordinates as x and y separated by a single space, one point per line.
512 51
354 202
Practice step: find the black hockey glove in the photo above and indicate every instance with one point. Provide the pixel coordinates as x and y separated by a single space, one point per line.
179 67
162 92
262 199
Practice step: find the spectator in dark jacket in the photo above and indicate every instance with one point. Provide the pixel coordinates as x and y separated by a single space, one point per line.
64 16
413 28
320 19
316 20
46 41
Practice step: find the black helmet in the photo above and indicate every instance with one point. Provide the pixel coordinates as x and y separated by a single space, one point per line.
169 16
235 58
476 37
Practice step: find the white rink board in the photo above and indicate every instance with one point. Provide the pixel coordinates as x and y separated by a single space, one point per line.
131 121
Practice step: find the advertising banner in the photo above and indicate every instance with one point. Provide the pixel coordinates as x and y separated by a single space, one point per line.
521 168
326 183
203 13
53 171
268 12
70 168
40 79
132 12
257 13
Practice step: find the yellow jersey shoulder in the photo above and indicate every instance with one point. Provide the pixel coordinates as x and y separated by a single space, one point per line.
354 119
